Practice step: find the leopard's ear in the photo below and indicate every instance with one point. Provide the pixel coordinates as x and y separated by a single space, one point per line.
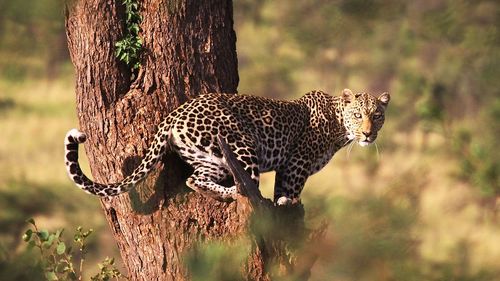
347 95
384 99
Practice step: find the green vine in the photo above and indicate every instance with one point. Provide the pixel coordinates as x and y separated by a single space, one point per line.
128 49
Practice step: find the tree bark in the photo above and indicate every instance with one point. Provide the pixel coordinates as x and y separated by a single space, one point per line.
188 49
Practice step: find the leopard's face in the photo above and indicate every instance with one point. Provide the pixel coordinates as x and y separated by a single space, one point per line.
363 115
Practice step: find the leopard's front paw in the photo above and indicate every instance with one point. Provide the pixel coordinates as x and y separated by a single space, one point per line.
283 201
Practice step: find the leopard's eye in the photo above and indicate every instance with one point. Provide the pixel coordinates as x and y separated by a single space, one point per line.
357 115
377 116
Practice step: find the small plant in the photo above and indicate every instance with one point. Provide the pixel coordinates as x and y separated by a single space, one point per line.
56 259
127 49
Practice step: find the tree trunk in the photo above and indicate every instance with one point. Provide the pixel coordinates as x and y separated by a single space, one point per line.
188 49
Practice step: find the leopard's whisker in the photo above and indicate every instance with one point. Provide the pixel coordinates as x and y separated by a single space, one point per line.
346 142
349 148
378 152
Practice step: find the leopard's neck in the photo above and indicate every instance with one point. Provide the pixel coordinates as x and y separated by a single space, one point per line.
326 116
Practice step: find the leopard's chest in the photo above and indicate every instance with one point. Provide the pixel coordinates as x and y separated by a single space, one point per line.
273 148
328 144
321 159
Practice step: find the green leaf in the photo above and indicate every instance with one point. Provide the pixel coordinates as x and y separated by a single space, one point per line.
61 248
87 233
134 28
31 244
43 234
61 268
78 234
72 276
50 275
49 241
31 221
129 46
27 235
59 232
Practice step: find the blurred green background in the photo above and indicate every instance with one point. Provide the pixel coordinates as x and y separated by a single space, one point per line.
425 207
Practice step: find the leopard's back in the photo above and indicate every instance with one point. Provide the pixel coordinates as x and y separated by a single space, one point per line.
269 128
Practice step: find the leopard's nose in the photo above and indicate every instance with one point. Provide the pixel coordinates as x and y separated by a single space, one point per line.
367 133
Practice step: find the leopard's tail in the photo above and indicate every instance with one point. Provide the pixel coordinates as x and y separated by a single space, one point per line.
153 156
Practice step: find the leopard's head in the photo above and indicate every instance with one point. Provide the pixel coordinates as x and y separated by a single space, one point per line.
363 115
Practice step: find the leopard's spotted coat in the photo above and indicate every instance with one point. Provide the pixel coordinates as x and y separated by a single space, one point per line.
294 138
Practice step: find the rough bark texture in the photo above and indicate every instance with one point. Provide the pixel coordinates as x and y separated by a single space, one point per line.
188 49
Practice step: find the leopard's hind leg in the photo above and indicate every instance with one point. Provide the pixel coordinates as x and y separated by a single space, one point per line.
207 177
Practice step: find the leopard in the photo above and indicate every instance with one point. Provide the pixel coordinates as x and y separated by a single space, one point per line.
295 138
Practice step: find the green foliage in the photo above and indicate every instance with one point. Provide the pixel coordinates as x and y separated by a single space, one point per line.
57 260
128 48
479 158
374 234
429 107
32 39
216 261
107 269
